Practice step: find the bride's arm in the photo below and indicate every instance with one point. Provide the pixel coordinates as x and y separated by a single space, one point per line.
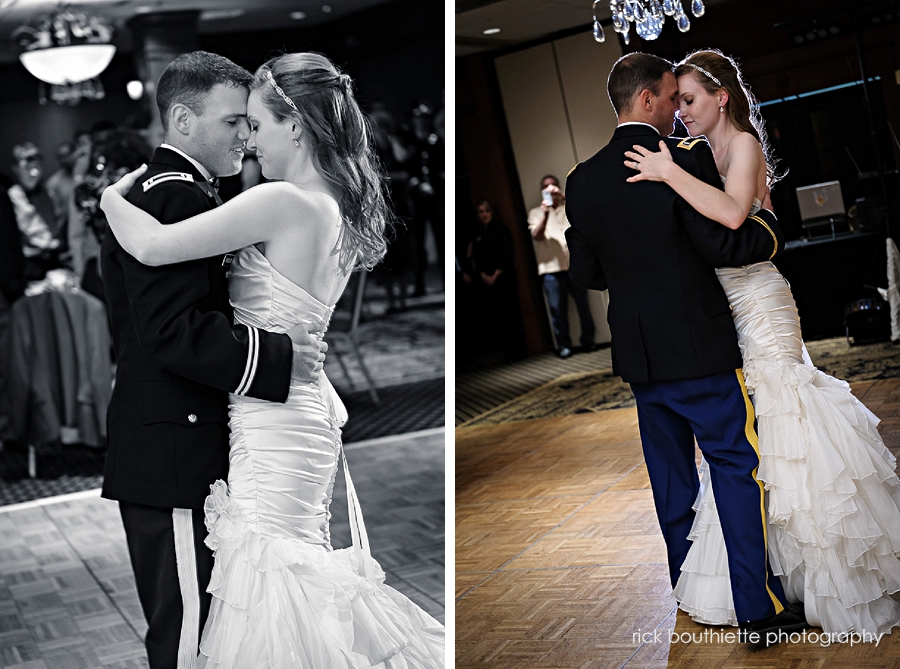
729 207
253 216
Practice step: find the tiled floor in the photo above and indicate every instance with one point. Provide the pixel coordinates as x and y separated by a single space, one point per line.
560 562
398 348
67 598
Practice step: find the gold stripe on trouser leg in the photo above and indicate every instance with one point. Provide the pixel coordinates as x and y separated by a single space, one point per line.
750 433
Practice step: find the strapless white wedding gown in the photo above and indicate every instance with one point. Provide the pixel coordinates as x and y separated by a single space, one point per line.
282 598
832 496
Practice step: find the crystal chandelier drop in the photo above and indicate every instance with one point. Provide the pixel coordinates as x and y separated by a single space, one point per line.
647 16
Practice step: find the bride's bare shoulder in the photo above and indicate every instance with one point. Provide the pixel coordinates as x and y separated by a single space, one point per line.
745 142
282 197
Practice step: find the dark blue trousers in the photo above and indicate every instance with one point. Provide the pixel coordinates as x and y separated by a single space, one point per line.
717 410
558 287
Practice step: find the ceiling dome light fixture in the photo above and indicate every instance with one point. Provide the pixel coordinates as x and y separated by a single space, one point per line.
65 48
492 31
647 16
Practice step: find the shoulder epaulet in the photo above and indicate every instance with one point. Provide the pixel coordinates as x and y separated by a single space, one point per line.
689 143
572 170
157 179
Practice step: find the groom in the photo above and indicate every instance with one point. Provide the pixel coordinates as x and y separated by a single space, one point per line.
178 356
673 335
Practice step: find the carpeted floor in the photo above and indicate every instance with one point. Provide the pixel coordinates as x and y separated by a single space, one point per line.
588 392
63 469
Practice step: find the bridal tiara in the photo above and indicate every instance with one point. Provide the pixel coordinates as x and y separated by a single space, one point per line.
281 92
696 67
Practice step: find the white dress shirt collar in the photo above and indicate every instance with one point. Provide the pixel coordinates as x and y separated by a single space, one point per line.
200 168
637 123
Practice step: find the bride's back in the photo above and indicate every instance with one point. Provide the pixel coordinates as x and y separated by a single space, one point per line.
303 249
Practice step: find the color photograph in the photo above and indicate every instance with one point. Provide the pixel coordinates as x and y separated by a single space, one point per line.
677 317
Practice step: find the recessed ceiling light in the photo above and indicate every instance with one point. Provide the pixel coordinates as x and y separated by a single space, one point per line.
492 31
326 9
298 16
135 89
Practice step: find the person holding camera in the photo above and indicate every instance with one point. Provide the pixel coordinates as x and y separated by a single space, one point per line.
547 225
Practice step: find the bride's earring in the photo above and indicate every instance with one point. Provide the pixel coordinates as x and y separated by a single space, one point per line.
296 142
721 109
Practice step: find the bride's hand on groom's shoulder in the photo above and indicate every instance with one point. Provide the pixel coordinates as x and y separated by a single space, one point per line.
649 165
123 185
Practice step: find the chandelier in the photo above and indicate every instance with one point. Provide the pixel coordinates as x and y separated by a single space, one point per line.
647 16
65 48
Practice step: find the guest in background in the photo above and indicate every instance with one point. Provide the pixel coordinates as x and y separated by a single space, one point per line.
492 275
62 182
548 225
114 152
82 156
426 166
12 287
13 277
468 327
34 213
397 269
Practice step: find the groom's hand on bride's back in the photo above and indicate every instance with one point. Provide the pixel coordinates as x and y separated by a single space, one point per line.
309 354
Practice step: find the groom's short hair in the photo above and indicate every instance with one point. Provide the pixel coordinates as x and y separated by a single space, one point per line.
189 78
631 74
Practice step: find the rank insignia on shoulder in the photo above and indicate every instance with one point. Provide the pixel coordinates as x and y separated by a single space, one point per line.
157 179
689 142
572 170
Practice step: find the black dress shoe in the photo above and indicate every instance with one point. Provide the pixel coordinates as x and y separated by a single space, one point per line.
769 631
589 348
564 352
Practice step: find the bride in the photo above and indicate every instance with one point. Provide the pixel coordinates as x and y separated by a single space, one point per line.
282 598
833 497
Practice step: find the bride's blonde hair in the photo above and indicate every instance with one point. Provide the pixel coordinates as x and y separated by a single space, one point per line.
309 90
713 70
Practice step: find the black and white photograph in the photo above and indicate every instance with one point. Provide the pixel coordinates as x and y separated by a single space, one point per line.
221 291
677 334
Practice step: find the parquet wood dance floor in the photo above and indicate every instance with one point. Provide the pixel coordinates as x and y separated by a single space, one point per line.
67 597
560 562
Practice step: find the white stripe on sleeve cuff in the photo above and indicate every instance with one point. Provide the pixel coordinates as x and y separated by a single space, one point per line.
252 359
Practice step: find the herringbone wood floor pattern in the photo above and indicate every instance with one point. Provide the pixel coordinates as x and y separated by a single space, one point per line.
560 562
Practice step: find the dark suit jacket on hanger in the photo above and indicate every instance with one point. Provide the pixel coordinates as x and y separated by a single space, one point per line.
668 314
178 355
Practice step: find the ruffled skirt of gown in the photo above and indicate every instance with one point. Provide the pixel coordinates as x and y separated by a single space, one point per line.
282 598
832 496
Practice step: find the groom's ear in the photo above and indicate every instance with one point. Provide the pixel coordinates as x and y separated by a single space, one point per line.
180 116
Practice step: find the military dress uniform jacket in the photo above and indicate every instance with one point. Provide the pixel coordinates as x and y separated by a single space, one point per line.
178 355
667 313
